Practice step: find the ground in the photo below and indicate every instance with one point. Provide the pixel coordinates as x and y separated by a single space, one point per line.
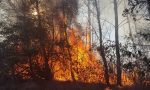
58 85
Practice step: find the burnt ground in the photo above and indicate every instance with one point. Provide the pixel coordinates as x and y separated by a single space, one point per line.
58 85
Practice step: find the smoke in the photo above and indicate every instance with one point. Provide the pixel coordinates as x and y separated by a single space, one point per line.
69 7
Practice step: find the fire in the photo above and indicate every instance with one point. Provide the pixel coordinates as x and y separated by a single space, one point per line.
34 13
83 63
86 67
70 60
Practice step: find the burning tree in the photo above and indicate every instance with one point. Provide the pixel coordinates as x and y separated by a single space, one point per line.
43 43
47 47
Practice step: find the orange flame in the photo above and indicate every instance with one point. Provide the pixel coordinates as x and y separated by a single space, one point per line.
84 64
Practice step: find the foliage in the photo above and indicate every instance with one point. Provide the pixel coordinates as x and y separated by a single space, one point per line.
136 8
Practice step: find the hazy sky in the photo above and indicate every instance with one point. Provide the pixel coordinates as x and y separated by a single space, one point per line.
107 18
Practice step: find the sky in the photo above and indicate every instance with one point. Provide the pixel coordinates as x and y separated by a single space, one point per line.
107 19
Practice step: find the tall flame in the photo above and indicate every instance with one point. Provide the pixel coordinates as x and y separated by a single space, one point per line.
75 58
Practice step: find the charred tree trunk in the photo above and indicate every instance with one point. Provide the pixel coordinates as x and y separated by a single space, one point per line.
27 39
70 58
42 35
101 50
64 29
117 44
31 68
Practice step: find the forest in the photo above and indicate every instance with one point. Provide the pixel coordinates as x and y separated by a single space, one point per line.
74 44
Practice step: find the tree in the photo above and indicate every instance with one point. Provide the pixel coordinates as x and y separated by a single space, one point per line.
43 43
101 49
119 71
135 9
20 35
33 36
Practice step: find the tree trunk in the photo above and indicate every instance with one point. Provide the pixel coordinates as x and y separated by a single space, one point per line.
89 23
27 40
68 48
101 50
117 44
48 72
